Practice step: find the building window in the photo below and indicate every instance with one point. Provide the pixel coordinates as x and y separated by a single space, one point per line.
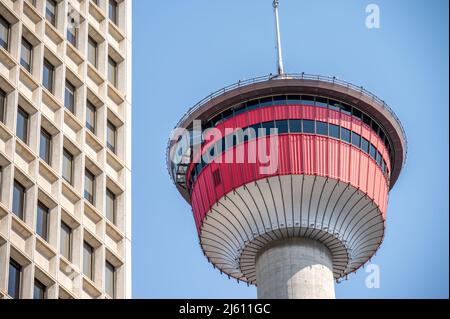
2 105
22 125
373 151
65 247
111 206
111 136
26 54
48 75
72 34
322 128
14 279
89 186
42 221
110 279
112 71
365 145
112 9
67 169
50 12
295 126
92 51
18 206
4 33
345 134
90 117
39 291
88 261
356 139
334 130
32 2
69 97
45 146
308 126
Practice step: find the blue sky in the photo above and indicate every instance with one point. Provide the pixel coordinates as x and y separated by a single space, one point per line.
184 50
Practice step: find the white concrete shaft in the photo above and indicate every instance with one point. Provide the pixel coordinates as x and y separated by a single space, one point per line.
295 268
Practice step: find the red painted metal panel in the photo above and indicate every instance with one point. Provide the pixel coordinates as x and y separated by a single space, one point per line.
321 114
344 162
295 111
280 112
371 179
354 166
322 155
365 131
266 114
309 112
346 121
296 154
333 158
333 117
356 126
363 172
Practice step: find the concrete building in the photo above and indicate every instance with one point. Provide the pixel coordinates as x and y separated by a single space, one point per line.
65 149
288 178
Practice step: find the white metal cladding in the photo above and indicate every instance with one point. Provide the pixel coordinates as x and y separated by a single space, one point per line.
346 220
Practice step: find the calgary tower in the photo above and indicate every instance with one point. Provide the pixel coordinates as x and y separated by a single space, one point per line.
288 178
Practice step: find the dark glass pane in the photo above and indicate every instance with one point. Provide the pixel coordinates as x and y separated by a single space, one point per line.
111 136
66 241
322 102
356 139
25 55
322 128
69 97
334 105
334 131
110 279
47 78
307 100
39 290
365 145
373 151
266 101
227 114
282 126
366 120
22 125
112 71
50 12
112 10
42 221
379 158
357 114
2 105
18 199
239 109
252 105
90 117
308 126
111 206
345 135
375 127
92 51
14 278
88 260
72 35
279 99
295 126
89 186
4 33
346 109
293 99
45 146
67 169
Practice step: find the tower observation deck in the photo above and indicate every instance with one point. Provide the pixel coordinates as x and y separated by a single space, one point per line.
288 179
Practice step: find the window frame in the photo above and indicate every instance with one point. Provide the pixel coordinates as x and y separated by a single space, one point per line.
27 45
23 135
68 233
5 24
110 195
51 75
88 270
53 18
110 127
48 152
92 45
45 218
21 205
17 279
71 159
69 88
93 110
90 197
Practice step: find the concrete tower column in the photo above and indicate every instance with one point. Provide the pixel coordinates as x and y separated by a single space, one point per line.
295 268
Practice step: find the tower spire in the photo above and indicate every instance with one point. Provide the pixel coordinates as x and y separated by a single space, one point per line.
278 38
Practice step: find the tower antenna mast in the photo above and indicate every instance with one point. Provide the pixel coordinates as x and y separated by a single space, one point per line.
278 38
